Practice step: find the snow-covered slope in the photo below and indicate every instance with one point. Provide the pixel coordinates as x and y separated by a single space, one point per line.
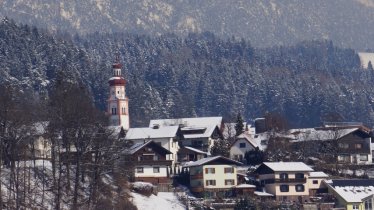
264 22
365 58
163 201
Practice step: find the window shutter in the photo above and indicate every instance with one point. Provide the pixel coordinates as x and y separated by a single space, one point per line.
214 171
206 171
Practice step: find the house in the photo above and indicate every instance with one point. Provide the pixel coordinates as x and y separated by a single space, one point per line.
166 136
187 154
353 143
199 133
241 145
355 194
213 176
287 181
150 162
315 183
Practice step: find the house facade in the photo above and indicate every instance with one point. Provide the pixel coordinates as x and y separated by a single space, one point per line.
166 136
240 146
199 133
213 176
352 194
287 181
352 144
150 162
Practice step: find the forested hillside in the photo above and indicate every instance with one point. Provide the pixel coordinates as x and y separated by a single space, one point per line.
198 75
265 22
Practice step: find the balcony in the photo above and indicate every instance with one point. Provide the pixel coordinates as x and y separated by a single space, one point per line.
153 162
294 180
196 176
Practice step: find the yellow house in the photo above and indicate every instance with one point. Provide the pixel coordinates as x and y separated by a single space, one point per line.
352 194
213 176
287 181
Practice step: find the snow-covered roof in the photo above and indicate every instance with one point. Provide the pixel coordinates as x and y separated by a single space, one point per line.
151 133
354 194
318 174
188 122
248 138
258 193
288 166
241 186
207 132
308 134
229 129
207 160
196 150
137 146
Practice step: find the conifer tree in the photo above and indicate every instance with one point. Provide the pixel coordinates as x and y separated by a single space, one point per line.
239 126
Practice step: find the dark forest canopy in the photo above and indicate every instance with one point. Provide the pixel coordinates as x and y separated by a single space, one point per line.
198 75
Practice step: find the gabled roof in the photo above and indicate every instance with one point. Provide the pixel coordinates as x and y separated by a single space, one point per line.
152 133
323 134
246 137
206 161
137 146
188 122
318 174
284 167
352 190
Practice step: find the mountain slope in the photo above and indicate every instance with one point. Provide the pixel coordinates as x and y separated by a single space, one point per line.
348 23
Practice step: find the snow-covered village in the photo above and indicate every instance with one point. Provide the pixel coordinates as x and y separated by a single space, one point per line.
187 105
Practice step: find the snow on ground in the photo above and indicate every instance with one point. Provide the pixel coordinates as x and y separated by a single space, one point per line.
365 58
163 200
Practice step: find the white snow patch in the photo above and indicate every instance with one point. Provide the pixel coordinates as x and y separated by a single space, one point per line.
365 58
163 200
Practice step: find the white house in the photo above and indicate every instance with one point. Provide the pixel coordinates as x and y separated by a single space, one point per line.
166 136
150 162
213 176
199 132
241 145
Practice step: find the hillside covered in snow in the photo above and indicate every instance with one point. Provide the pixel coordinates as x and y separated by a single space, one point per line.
349 23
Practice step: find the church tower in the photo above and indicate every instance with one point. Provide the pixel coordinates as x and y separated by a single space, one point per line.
118 103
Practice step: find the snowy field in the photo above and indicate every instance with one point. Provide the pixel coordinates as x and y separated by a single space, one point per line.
365 58
163 201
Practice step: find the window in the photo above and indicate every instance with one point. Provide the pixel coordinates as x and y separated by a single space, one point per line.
155 157
283 176
123 110
358 146
242 145
364 157
139 170
229 182
299 176
140 158
210 170
368 204
315 181
299 188
210 182
355 207
229 170
156 169
114 111
284 188
343 145
344 158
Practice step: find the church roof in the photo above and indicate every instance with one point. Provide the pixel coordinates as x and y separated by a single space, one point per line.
188 122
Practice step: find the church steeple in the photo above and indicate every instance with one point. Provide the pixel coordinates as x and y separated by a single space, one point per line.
118 101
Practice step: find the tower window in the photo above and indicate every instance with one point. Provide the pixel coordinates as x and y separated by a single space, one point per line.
114 111
123 110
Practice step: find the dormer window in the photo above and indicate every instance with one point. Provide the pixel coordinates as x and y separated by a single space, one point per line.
299 176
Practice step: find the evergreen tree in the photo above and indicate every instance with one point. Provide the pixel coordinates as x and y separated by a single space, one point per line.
239 126
370 66
221 147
